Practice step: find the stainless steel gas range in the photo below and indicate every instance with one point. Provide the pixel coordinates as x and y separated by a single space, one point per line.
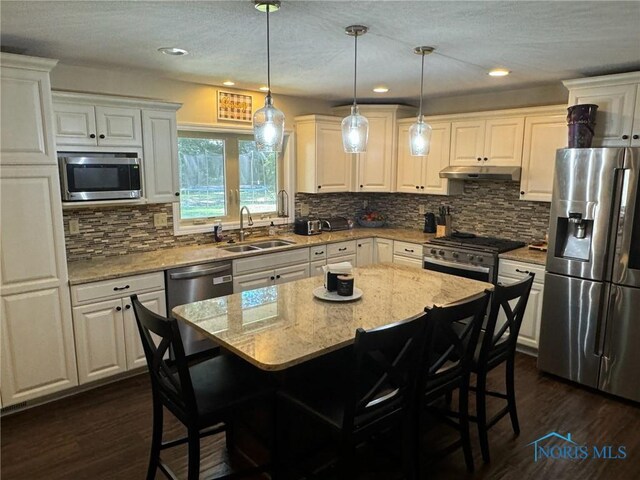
467 255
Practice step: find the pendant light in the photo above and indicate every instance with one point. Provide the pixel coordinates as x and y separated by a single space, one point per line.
268 122
355 127
420 132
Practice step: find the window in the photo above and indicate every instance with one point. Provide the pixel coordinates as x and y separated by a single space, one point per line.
220 173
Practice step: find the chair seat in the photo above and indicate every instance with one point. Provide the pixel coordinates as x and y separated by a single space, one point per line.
224 382
497 351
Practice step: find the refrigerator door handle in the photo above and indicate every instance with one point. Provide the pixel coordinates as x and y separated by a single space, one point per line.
602 331
608 330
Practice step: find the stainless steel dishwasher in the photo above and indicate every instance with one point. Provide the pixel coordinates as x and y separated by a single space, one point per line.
194 283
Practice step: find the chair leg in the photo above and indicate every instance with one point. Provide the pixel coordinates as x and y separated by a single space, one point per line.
194 454
156 440
464 425
511 395
481 415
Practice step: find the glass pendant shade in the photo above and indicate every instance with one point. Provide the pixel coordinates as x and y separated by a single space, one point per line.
268 127
355 131
420 137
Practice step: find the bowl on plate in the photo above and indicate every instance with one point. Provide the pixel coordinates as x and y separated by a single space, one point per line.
371 223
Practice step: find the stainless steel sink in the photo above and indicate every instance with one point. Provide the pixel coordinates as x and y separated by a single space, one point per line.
272 244
240 248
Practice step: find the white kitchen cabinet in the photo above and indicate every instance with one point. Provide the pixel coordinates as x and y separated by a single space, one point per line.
618 117
406 253
322 166
161 168
106 335
364 252
422 174
383 250
352 259
315 268
511 271
543 135
267 278
494 141
37 350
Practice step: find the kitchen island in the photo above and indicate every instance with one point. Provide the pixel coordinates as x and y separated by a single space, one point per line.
281 326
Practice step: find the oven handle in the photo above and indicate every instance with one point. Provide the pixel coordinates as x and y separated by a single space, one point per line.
461 266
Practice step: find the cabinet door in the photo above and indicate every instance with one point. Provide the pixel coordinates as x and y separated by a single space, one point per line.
242 283
352 259
375 166
383 251
38 356
74 124
411 262
289 274
119 127
154 301
26 134
100 347
635 133
503 141
614 119
409 171
467 142
315 268
161 180
364 252
543 136
333 164
437 159
530 327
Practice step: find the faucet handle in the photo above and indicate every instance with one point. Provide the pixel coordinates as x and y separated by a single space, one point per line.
250 223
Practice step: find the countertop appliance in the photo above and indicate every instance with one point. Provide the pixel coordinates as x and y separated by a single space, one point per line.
334 224
429 223
307 226
192 284
590 331
467 255
99 176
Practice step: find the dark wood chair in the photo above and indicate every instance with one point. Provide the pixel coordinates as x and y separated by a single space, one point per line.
497 345
370 395
451 338
203 397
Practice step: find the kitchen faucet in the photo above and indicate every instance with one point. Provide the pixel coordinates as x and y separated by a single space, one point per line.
250 222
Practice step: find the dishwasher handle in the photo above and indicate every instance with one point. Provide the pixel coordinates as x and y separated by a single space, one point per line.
199 273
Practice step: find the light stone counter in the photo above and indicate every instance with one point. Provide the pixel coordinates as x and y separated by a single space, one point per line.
524 254
284 325
136 263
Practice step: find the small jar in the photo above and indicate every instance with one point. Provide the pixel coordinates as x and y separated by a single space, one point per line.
345 285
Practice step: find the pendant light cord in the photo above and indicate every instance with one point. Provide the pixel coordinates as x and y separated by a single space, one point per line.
355 70
421 85
269 56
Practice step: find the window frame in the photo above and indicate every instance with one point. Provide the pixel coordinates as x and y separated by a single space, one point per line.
288 182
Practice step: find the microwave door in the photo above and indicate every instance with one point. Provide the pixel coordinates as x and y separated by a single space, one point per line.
99 178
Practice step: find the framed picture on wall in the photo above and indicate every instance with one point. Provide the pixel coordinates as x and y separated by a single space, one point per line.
234 107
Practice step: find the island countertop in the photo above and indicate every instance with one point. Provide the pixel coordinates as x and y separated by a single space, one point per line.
277 327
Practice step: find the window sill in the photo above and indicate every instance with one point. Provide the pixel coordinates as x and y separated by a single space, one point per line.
226 226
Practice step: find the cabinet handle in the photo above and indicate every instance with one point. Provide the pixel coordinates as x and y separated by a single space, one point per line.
127 307
422 187
479 159
636 137
521 192
117 289
177 194
118 309
342 249
485 159
277 276
359 244
102 135
408 250
319 187
272 278
523 271
319 253
417 187
93 135
625 137
361 186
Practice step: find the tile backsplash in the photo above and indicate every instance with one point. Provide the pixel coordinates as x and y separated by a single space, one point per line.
485 208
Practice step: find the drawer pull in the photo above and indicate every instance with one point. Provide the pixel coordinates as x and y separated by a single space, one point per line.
342 249
117 289
319 253
523 271
408 250
118 309
127 307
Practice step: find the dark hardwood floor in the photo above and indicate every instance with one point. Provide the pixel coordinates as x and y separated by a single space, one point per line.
104 434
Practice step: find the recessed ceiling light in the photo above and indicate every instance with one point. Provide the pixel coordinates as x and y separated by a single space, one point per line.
173 51
261 6
499 72
264 89
381 89
229 83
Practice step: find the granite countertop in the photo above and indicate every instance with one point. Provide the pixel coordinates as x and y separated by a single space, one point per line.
280 326
105 268
527 255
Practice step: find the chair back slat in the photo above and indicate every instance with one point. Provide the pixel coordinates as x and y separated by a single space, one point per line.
170 379
384 373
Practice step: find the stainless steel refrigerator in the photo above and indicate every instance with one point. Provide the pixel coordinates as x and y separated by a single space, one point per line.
590 330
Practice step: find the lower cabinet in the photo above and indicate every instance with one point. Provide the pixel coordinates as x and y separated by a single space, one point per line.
382 250
510 271
107 338
364 252
267 278
405 253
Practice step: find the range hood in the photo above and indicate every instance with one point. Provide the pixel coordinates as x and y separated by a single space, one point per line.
482 173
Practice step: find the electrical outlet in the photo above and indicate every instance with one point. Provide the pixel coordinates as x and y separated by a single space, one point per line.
74 227
365 204
159 220
304 209
421 209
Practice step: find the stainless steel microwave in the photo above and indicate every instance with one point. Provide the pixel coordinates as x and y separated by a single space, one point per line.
99 176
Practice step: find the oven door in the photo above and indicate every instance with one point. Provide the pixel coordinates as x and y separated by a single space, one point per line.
100 178
483 273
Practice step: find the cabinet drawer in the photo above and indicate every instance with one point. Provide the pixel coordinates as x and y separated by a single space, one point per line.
520 270
116 288
352 259
270 261
318 253
407 249
341 248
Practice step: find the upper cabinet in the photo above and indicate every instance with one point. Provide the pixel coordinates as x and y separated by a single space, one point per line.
322 164
618 100
492 141
422 174
161 175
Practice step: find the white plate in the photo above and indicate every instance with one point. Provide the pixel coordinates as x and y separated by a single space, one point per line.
322 294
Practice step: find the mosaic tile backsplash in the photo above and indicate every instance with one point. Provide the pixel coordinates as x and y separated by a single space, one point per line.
485 208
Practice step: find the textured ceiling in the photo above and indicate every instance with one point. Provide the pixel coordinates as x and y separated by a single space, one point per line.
541 42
